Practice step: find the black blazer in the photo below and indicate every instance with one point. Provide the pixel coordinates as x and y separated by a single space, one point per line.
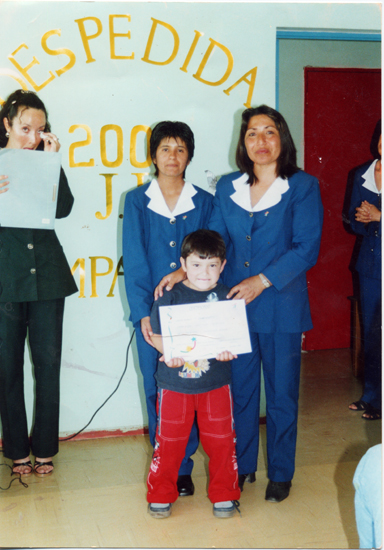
32 262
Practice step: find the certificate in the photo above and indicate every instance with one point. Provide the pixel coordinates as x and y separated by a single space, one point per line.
31 199
202 330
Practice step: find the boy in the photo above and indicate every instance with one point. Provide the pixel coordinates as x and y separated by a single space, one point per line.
202 388
157 217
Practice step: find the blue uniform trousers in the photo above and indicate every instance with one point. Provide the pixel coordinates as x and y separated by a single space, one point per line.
280 354
370 295
148 357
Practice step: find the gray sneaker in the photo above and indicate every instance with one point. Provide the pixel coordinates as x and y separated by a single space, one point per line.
226 509
159 510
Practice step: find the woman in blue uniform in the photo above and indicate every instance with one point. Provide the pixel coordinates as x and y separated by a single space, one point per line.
365 219
157 217
270 216
34 280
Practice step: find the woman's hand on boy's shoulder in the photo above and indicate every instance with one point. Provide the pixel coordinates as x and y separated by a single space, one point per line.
169 281
174 363
225 356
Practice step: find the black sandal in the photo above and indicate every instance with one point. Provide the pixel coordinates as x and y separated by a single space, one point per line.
360 406
374 414
39 465
26 474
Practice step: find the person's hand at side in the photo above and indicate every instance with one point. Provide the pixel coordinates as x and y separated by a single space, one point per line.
146 329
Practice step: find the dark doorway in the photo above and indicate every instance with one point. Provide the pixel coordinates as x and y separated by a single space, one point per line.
341 109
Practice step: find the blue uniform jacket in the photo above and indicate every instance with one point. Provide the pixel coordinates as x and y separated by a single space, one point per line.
281 241
152 244
369 259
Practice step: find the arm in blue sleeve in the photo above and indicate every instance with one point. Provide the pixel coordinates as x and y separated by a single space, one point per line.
306 236
216 221
137 273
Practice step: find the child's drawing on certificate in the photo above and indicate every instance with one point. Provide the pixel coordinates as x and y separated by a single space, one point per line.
202 330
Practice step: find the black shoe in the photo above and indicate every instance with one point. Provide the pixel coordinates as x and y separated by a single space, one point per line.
277 490
249 478
185 486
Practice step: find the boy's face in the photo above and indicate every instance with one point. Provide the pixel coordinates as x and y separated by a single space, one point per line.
171 157
202 274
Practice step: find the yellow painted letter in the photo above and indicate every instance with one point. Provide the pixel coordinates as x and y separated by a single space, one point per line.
119 145
113 34
24 70
251 83
94 273
176 42
76 144
140 177
133 146
117 272
191 51
86 38
108 195
207 55
59 51
80 263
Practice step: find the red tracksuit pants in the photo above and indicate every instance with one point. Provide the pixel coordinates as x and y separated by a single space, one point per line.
176 413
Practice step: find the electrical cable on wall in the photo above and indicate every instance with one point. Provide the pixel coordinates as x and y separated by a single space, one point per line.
86 426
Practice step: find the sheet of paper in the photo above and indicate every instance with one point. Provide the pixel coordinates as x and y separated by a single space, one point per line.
31 199
201 331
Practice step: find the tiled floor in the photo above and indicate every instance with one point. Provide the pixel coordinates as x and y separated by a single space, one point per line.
96 496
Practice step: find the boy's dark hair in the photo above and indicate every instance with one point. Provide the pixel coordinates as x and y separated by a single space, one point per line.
286 163
175 130
205 244
9 110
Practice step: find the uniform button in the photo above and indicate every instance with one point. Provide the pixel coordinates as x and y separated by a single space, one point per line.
172 220
173 244
246 264
173 265
30 246
251 214
248 237
33 270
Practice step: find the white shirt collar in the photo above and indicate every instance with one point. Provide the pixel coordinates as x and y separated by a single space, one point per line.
158 204
242 194
369 177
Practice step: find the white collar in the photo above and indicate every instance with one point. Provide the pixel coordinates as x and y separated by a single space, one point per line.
369 177
158 204
242 195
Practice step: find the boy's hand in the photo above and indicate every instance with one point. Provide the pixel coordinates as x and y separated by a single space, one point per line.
168 281
146 329
173 363
225 356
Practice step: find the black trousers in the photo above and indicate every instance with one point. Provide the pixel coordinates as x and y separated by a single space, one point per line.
43 322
